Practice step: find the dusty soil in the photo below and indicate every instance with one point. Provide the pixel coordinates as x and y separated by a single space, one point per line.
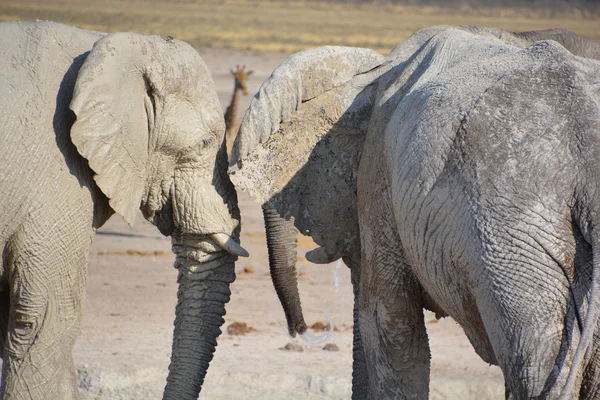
124 347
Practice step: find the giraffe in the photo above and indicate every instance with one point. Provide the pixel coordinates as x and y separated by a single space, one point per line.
231 124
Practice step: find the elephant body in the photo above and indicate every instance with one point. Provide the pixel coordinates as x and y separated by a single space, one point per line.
471 192
43 111
91 124
485 181
43 175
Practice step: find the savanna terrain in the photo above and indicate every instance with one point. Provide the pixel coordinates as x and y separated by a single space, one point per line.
264 25
123 351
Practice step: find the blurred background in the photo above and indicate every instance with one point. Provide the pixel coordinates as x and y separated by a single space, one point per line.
124 347
289 26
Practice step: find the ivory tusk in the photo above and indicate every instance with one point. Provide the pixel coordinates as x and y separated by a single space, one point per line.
229 245
320 256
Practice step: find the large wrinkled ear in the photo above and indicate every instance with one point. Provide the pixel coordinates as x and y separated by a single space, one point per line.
113 103
298 79
299 143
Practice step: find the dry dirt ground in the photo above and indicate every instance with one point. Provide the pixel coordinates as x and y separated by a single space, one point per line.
124 347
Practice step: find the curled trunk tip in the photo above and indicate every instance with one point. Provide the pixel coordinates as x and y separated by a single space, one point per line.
301 328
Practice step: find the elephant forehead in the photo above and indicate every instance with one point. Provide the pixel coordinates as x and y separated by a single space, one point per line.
182 126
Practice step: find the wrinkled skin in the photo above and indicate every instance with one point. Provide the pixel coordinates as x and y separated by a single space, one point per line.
458 174
92 124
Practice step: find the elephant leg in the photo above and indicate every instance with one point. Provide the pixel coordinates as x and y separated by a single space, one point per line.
4 297
590 386
4 313
507 393
392 325
530 320
47 266
360 384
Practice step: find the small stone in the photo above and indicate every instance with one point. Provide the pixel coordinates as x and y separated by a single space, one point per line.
321 326
318 326
292 347
239 328
331 347
248 269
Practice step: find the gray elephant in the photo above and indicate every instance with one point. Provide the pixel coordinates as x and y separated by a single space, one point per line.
93 124
459 174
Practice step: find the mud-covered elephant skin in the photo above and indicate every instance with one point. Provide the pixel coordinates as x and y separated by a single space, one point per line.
459 174
92 124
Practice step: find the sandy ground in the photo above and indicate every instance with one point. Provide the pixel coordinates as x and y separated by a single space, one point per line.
124 348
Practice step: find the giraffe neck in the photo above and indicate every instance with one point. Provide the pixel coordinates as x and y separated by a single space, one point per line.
231 112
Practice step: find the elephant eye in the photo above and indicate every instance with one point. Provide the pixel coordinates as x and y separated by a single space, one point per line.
205 142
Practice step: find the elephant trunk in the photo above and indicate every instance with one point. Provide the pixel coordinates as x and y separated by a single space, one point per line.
204 240
281 244
201 298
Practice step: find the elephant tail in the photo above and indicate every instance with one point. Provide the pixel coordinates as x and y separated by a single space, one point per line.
589 324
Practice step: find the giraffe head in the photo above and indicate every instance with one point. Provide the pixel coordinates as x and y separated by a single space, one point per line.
240 75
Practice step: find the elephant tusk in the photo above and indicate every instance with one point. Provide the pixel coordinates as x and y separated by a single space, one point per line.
228 244
320 256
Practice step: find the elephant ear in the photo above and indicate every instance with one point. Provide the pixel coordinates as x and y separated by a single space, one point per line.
298 79
299 143
114 109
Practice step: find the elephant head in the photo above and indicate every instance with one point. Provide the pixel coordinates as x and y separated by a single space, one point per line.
150 125
297 154
298 150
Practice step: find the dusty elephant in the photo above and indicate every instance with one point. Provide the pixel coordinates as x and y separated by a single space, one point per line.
93 124
458 174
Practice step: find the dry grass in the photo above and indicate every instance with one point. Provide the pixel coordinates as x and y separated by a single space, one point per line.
273 26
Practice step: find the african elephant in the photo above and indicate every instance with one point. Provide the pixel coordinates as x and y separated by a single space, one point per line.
459 174
93 124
